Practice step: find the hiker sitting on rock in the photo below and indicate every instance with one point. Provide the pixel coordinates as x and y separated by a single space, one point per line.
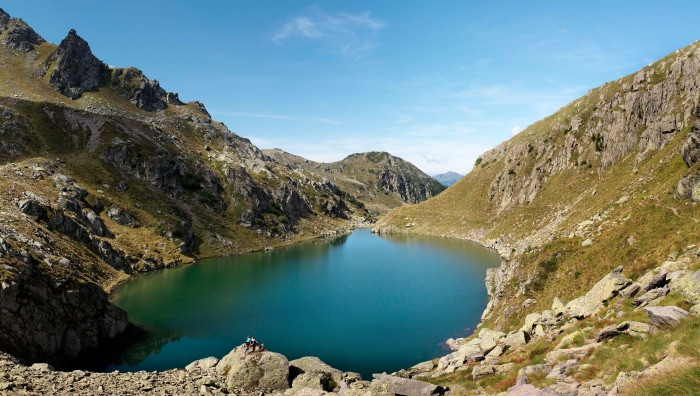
247 343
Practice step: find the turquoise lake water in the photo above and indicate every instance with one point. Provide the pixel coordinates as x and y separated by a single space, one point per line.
361 303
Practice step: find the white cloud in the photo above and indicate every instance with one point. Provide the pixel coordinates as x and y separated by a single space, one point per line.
515 130
350 35
301 26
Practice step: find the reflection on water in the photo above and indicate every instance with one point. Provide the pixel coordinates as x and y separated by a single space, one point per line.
360 302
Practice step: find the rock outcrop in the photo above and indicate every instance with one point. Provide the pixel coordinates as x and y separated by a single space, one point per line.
74 69
141 91
16 35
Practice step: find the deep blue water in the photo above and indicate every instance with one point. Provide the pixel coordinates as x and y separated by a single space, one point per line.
361 303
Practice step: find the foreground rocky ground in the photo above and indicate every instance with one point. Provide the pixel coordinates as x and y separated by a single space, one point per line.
238 373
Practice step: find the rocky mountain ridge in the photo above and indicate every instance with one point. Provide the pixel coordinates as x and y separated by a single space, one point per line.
380 180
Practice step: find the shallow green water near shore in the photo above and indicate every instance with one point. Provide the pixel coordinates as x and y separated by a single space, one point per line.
361 303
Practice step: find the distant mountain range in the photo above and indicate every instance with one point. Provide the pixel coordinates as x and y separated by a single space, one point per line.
447 179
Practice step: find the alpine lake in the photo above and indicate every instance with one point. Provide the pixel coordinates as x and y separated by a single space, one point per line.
359 302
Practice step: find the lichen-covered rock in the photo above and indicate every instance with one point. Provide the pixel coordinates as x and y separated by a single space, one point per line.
688 286
75 68
569 353
408 387
482 370
633 328
603 291
516 339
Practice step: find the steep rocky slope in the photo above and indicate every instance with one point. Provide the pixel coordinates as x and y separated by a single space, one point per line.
609 180
104 174
378 179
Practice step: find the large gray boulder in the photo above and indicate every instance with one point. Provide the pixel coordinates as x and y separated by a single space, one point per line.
254 370
635 329
314 365
666 315
408 387
603 291
483 370
688 286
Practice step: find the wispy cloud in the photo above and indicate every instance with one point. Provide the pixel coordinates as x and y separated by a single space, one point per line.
322 120
516 130
350 35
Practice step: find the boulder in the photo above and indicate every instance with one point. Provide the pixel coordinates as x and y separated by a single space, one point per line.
470 352
688 286
483 370
488 334
695 310
569 353
529 390
603 291
689 186
658 280
534 369
255 370
558 306
636 329
666 315
530 321
560 369
408 387
122 217
516 339
650 296
631 290
314 365
32 207
202 364
319 381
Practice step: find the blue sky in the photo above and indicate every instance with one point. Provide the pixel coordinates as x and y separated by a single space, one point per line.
435 82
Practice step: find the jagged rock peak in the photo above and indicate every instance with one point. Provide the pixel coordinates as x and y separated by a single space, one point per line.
19 37
4 19
76 69
143 92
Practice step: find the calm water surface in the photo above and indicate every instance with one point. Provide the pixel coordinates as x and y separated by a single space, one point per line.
361 303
